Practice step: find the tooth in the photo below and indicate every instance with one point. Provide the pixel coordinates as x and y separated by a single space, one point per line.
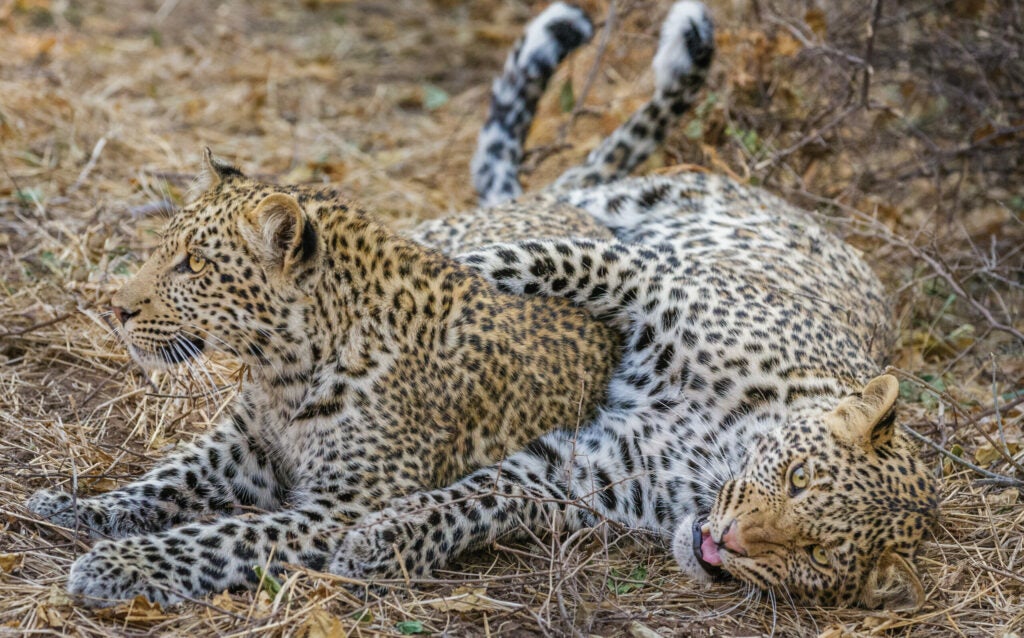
705 528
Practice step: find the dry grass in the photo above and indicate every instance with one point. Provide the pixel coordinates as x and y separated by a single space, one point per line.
105 105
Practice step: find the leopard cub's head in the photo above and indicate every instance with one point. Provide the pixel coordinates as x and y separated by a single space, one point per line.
227 275
828 510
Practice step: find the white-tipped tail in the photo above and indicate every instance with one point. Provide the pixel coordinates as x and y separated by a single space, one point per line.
687 40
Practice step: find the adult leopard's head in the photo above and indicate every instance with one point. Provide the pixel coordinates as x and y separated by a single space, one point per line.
228 274
829 509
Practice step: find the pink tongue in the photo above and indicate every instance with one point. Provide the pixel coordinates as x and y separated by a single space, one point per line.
709 551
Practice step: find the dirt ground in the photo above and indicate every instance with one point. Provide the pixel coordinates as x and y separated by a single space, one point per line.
901 122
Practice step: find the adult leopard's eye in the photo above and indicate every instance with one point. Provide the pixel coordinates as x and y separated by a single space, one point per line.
798 478
819 555
196 263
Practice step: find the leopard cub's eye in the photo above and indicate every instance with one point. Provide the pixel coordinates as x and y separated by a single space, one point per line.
798 478
819 555
196 263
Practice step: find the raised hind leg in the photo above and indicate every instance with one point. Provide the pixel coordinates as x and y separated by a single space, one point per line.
548 39
680 66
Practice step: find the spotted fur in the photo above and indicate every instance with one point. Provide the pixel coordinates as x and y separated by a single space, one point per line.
753 346
551 36
379 367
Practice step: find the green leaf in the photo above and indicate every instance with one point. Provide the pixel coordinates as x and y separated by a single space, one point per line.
364 615
694 130
29 196
434 97
929 401
268 582
747 138
707 104
1011 395
566 97
935 381
908 390
620 584
410 627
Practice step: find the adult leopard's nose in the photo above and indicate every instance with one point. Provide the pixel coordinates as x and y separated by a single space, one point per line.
731 540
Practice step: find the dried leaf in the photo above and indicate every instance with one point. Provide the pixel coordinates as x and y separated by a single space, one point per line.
988 454
463 599
639 630
786 45
58 597
836 631
9 563
137 610
1005 498
878 622
968 8
49 616
815 19
962 336
321 624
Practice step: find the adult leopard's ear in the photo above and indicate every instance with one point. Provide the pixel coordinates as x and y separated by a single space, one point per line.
868 419
893 584
214 172
283 235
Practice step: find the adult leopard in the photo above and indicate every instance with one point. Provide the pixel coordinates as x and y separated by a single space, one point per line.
747 424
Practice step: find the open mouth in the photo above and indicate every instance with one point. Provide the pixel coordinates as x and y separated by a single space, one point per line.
705 550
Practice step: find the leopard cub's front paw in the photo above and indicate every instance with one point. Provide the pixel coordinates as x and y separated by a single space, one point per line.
363 556
61 508
53 505
376 548
119 570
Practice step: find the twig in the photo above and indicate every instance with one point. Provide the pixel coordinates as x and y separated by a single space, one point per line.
960 412
1009 405
1001 572
44 324
992 477
606 32
943 272
999 416
807 139
868 50
917 253
91 164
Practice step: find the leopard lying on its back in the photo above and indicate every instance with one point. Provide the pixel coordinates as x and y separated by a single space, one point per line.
747 421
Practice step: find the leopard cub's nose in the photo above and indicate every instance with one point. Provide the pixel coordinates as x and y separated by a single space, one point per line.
123 314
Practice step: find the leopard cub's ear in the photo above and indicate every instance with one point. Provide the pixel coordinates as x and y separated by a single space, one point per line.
281 231
214 172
